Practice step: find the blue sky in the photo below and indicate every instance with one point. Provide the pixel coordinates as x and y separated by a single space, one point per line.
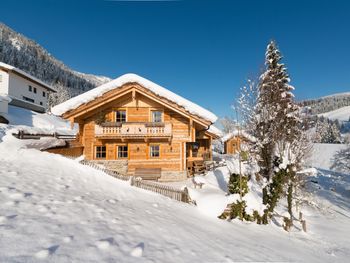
202 50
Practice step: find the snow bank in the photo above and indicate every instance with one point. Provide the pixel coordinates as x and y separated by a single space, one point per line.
133 78
33 122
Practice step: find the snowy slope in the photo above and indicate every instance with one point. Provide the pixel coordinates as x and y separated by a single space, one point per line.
77 214
74 213
323 153
342 114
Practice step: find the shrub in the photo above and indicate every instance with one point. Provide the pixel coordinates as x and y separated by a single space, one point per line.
234 184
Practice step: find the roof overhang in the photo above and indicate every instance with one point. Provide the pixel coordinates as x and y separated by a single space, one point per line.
132 88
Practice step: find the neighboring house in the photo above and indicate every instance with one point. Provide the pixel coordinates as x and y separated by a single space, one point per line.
235 141
24 90
131 123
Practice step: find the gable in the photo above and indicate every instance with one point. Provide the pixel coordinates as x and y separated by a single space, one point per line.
129 95
147 86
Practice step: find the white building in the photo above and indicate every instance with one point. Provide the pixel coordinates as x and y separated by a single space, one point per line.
20 89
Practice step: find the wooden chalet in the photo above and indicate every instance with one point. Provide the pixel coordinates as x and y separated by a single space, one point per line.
235 141
131 124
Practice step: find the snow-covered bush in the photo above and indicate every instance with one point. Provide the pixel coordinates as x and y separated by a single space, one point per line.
237 184
341 161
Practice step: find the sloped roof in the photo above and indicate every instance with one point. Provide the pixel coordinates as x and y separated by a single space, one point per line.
214 130
90 95
26 75
236 133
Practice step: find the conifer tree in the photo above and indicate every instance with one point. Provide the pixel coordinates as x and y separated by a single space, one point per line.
278 128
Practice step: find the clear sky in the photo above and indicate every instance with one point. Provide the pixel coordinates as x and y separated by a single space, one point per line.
203 50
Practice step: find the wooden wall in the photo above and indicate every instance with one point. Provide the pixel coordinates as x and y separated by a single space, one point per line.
70 152
232 145
172 153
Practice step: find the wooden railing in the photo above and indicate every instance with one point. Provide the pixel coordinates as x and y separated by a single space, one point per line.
27 135
134 130
179 195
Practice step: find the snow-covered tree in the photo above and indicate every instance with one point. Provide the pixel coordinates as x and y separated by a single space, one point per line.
58 97
228 124
278 129
277 122
246 104
327 132
341 161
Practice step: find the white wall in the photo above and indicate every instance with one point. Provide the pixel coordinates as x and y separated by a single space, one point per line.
4 80
19 88
3 106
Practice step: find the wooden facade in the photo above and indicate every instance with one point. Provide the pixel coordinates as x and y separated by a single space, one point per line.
232 145
132 125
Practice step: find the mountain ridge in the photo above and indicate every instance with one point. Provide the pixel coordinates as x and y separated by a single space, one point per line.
26 54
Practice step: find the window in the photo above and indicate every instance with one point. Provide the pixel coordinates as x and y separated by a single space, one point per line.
41 103
100 151
44 94
156 116
30 88
34 90
122 151
154 151
120 116
28 99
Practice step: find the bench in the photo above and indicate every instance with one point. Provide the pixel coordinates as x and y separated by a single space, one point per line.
198 167
195 183
148 173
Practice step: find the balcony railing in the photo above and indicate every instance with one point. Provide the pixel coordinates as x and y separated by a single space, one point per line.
133 130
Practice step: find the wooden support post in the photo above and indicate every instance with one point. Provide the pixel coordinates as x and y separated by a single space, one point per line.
71 123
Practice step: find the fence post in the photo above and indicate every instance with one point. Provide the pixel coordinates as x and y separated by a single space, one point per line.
185 196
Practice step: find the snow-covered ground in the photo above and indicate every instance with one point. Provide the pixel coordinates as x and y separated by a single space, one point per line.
322 155
53 209
33 122
341 114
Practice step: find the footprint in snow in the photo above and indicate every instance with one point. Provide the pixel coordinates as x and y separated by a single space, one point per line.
78 198
68 239
104 244
44 253
5 218
16 196
138 250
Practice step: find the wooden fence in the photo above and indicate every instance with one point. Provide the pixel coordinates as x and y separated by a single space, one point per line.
25 135
179 195
107 171
171 192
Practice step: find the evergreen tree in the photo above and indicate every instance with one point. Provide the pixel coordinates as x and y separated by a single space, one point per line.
278 130
277 115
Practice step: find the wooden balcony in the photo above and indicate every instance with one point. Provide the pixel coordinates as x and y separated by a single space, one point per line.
133 130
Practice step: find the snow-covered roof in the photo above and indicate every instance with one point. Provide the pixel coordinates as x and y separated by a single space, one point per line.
90 95
215 130
237 133
25 74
